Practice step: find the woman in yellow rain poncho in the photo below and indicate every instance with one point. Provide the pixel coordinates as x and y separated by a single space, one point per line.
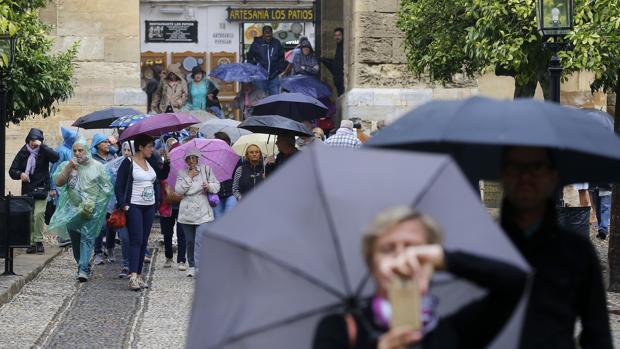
85 189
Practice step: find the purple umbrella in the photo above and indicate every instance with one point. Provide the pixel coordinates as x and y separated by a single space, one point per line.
159 124
307 85
239 72
215 153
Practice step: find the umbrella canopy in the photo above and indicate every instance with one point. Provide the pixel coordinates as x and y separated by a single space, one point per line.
159 124
103 118
239 72
266 143
475 132
128 120
290 271
603 118
276 125
296 106
201 115
307 85
215 153
228 126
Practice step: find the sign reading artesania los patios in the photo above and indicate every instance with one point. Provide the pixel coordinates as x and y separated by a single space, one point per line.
270 14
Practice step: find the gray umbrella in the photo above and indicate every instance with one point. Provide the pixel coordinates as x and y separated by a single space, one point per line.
475 131
290 252
275 125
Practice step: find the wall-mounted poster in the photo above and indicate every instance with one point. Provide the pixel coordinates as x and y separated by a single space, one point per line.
171 31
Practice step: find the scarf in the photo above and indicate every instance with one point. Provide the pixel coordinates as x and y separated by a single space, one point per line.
382 310
31 164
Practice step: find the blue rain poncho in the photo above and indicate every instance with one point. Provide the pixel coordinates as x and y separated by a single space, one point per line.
83 199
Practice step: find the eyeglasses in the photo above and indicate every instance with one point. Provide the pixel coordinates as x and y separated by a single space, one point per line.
532 168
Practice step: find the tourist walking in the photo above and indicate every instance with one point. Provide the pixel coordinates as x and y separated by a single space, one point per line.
227 200
137 194
250 173
31 166
85 189
65 153
195 183
345 137
100 149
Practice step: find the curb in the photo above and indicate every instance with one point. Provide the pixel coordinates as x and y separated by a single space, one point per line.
19 281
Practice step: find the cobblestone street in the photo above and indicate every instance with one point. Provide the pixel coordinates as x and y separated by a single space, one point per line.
55 311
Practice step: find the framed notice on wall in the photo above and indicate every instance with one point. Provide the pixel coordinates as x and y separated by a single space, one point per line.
171 31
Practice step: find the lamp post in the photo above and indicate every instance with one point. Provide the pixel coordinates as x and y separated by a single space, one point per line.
7 54
555 20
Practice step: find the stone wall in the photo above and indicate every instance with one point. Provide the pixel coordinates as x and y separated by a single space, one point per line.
107 69
379 86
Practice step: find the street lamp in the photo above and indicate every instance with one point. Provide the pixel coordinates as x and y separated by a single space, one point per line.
555 20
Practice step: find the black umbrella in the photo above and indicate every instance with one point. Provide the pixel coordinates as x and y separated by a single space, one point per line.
475 132
275 125
290 252
296 106
103 118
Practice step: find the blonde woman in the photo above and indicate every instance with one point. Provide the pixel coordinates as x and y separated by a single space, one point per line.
403 243
250 173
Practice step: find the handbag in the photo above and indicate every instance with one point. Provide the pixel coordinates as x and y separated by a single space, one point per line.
214 199
50 208
39 193
118 218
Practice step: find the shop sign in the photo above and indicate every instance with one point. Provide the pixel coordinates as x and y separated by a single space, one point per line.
270 14
171 31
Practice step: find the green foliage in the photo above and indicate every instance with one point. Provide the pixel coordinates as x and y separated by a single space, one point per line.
446 37
40 77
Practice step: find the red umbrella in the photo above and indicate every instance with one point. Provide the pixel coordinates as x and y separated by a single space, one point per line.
159 124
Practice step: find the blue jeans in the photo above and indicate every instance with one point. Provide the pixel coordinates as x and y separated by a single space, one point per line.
224 206
123 234
192 237
602 205
139 223
82 249
271 87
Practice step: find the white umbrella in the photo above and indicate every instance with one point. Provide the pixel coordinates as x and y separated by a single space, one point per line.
266 143
228 126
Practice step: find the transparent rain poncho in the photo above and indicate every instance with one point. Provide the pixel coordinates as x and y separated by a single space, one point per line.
83 199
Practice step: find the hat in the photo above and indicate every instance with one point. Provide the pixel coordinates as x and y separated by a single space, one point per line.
192 152
346 124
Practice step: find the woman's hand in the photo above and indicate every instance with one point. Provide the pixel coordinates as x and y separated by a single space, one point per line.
418 263
193 172
205 187
399 338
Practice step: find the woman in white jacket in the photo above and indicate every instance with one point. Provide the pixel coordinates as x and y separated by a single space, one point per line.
194 183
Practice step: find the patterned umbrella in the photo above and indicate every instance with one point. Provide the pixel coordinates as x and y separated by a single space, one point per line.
129 120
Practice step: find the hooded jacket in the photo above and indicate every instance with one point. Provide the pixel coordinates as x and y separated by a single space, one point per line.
40 179
194 208
99 138
306 65
64 151
170 95
269 55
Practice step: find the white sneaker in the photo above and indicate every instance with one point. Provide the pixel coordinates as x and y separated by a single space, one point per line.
191 272
168 263
182 267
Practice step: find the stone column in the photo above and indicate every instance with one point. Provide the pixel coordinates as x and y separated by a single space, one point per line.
107 69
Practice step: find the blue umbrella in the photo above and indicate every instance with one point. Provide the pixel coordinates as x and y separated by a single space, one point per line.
605 119
129 120
103 118
476 131
239 72
307 85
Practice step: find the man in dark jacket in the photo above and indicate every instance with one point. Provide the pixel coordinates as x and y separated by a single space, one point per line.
31 166
567 282
269 54
336 65
286 149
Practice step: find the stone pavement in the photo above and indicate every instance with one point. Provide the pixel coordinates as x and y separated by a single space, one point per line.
55 311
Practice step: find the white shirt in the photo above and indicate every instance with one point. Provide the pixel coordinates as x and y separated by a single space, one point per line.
143 190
